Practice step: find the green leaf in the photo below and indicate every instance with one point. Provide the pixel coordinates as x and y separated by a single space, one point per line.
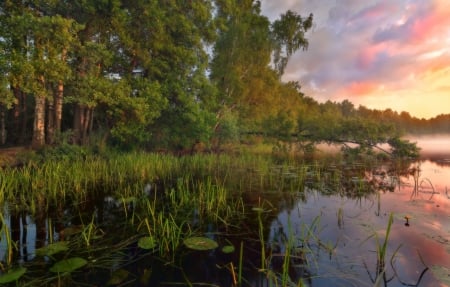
12 275
147 242
258 209
68 265
200 243
228 249
52 249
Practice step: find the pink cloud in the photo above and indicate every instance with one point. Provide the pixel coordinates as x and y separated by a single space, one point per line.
359 88
374 52
369 54
432 25
375 12
422 22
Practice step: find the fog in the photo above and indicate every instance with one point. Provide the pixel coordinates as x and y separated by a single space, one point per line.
438 144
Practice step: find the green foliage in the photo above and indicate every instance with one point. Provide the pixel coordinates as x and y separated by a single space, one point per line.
228 127
281 126
289 36
171 74
68 265
12 275
62 152
200 243
403 148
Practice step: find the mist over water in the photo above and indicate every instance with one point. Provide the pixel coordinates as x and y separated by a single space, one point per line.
432 145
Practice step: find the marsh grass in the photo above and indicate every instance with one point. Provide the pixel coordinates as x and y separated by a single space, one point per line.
185 196
381 251
10 244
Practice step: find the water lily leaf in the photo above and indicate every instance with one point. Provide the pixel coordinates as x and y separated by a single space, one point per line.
12 275
52 248
68 265
228 249
200 243
118 277
258 209
441 273
147 242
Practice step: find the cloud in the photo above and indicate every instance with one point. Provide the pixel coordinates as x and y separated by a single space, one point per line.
373 51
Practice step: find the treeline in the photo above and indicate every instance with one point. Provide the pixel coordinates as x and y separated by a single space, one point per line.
151 73
160 74
403 122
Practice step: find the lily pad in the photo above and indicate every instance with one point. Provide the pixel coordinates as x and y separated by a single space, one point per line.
441 273
147 242
258 209
228 249
12 275
200 243
52 248
118 277
68 265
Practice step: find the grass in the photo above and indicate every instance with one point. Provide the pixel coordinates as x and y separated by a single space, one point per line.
10 244
187 196
381 251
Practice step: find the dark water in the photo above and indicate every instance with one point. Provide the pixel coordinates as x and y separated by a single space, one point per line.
327 233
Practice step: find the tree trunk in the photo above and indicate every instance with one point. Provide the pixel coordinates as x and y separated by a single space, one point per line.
19 129
59 106
77 123
58 98
2 126
87 124
38 139
82 123
50 132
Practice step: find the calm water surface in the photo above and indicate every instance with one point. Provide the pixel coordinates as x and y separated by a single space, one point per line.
332 233
348 228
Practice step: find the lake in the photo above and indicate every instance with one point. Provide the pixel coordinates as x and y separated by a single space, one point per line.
418 245
419 235
332 223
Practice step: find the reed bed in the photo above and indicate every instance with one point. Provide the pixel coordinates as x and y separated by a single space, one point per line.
162 197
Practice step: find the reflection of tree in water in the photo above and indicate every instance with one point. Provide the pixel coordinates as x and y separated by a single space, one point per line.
440 159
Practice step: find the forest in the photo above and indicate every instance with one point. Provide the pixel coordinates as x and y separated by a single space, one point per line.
169 75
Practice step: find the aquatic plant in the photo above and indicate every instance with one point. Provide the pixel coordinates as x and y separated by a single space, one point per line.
133 206
380 273
10 244
12 275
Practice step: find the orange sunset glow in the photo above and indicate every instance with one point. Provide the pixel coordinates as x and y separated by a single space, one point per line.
380 54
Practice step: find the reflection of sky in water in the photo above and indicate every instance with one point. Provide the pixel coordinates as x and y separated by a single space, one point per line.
428 233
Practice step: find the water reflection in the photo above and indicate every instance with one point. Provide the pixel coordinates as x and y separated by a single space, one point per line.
352 228
329 229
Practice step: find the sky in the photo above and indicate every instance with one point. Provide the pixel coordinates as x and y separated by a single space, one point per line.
377 53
